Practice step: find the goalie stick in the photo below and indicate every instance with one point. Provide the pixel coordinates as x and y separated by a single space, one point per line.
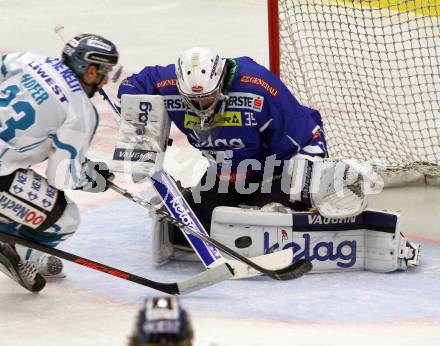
204 279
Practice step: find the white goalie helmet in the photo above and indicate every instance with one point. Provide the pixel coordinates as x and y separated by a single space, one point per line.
200 75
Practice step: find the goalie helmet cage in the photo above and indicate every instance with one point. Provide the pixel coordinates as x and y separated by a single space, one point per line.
372 69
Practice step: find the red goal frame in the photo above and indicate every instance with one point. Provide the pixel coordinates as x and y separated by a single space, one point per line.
274 36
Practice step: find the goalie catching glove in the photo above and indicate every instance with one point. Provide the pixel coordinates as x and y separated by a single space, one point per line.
337 188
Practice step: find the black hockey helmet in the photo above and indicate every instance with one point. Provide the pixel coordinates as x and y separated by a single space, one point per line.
86 49
162 321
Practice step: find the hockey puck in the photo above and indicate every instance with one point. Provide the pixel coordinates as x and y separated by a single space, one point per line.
243 242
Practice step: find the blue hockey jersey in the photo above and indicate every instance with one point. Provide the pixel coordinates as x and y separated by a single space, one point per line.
261 118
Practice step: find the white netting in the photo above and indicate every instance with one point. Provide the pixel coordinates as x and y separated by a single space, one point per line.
372 68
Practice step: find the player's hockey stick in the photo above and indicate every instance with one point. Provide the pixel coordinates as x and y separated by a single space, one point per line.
204 279
292 271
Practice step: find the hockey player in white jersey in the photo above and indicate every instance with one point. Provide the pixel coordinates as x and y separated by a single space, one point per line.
46 114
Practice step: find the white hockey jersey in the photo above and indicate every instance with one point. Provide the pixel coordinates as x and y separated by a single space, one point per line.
44 114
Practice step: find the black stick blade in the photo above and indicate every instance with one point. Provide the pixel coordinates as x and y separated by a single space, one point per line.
294 271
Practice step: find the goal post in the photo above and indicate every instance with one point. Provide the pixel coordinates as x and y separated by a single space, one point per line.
372 69
274 36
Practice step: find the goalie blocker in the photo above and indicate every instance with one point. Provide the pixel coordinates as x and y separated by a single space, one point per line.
142 137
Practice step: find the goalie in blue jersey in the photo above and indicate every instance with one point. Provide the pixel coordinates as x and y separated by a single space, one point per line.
267 151
241 116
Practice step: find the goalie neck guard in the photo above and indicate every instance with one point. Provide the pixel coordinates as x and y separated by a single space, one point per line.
162 321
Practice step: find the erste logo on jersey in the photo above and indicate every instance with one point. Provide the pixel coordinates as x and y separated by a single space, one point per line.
246 100
174 103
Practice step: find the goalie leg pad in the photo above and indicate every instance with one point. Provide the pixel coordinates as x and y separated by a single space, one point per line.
370 241
163 248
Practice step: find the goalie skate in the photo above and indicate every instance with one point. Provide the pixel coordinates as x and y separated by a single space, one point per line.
409 254
23 272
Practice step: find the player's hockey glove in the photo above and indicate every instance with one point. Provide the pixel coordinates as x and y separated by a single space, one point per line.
96 176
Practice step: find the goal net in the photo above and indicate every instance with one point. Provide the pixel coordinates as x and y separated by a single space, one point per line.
372 68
